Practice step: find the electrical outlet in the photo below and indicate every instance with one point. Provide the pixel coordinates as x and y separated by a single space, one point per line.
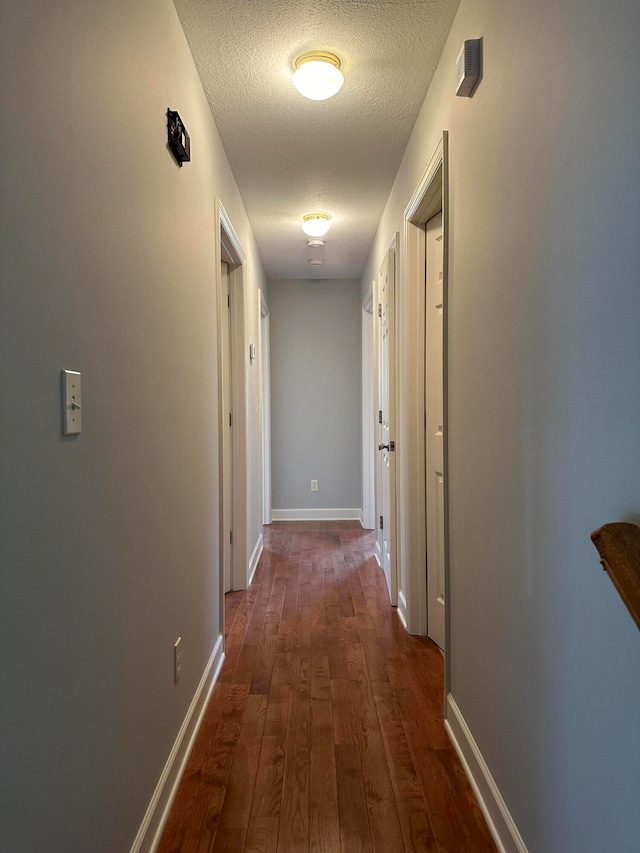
177 659
314 485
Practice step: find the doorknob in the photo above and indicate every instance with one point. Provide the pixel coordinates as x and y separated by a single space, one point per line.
391 446
383 447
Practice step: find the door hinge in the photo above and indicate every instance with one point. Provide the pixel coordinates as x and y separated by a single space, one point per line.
379 309
228 300
230 420
379 416
381 524
231 537
392 445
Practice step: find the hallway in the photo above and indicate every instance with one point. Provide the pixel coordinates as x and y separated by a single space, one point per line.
325 730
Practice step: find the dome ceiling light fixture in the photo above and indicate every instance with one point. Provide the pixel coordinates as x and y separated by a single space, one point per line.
317 75
315 243
316 224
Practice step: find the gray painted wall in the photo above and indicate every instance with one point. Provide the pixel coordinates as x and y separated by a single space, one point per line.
108 541
544 415
315 393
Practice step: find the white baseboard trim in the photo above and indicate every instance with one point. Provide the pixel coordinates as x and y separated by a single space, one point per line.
402 609
154 821
501 824
316 514
366 520
255 558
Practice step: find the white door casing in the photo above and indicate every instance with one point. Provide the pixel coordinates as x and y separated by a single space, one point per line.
386 431
229 250
429 197
369 414
377 419
227 432
265 407
434 431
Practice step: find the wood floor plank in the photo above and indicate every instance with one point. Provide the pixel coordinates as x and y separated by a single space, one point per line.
324 821
352 803
234 817
293 832
262 835
384 824
414 819
376 663
325 730
267 793
201 794
234 640
232 602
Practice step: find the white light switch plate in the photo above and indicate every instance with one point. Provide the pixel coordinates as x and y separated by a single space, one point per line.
71 402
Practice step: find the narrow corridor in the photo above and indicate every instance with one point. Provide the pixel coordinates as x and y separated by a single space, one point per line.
325 730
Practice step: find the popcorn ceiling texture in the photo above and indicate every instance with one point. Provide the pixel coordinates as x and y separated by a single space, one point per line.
291 156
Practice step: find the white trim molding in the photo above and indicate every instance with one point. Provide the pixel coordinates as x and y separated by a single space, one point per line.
402 609
368 415
501 824
255 558
153 823
428 198
316 515
264 338
364 521
229 249
229 238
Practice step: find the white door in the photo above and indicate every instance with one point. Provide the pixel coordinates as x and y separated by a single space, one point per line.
226 420
434 395
386 425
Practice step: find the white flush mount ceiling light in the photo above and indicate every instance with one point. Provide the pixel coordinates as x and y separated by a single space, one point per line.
315 243
316 224
317 75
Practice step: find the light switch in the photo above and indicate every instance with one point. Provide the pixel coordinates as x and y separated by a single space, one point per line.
71 402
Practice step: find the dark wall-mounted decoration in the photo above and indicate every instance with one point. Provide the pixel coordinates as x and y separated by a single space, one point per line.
179 142
618 544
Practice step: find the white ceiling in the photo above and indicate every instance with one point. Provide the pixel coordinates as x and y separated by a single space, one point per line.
292 156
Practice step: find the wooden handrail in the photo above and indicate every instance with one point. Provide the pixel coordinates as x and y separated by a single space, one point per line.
618 544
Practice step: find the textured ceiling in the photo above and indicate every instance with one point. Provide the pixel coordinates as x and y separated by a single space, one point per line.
292 156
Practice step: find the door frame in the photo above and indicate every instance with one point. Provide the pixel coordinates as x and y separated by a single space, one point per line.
264 360
229 249
225 372
434 394
394 496
368 413
430 196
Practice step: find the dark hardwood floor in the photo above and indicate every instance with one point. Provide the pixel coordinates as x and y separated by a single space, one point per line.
325 730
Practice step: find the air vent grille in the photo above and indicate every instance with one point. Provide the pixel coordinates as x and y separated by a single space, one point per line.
468 67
